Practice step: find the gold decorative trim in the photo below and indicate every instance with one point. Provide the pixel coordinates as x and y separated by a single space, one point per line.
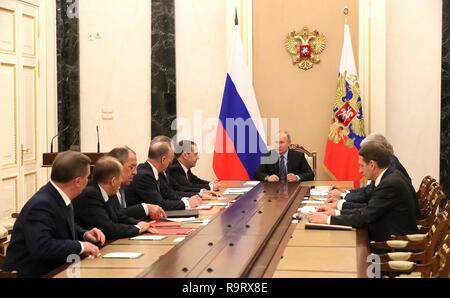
34 160
11 165
16 188
14 35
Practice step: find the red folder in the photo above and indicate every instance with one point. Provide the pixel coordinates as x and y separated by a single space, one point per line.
165 224
174 231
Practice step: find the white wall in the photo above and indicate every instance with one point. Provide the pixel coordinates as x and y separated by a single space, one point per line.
413 64
115 74
203 42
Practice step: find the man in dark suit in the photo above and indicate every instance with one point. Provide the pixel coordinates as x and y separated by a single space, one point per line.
127 157
291 165
97 206
390 209
180 173
45 235
358 198
145 187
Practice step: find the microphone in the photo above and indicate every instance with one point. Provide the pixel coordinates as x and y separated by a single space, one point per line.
51 142
98 141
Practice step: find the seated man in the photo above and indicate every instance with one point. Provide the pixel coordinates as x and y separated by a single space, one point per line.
291 165
127 158
357 198
145 187
390 208
181 176
96 204
45 235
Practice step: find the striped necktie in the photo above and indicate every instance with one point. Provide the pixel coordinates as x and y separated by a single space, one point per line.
282 169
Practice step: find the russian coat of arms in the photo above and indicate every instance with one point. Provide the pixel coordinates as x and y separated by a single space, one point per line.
305 47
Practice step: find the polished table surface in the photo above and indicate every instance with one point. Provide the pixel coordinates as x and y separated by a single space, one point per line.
254 237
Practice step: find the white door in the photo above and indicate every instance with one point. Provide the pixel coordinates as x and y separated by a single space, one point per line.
19 101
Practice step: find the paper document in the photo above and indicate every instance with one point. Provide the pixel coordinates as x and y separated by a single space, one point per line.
236 191
251 183
179 239
182 219
307 209
149 237
323 188
313 202
217 204
123 255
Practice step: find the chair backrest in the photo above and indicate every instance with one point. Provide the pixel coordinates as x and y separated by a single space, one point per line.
436 234
441 260
424 187
434 200
310 156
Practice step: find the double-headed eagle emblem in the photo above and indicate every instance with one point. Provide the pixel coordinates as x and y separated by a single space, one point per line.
305 47
348 124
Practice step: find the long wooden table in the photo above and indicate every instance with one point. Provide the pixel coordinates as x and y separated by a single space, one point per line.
254 237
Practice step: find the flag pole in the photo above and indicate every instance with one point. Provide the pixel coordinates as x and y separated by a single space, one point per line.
346 11
236 19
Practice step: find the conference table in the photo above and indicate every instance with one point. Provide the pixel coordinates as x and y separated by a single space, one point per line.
253 236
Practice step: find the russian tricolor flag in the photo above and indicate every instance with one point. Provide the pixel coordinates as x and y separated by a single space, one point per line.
240 139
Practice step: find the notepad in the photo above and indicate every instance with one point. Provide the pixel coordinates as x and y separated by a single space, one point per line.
309 225
123 255
149 237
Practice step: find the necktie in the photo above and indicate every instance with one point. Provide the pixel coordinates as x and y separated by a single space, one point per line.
282 169
189 175
122 198
71 220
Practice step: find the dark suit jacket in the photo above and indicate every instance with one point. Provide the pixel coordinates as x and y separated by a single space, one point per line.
91 211
359 198
42 237
145 189
179 181
296 164
168 191
390 209
135 211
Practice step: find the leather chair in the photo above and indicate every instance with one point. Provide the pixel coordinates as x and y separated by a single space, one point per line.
311 157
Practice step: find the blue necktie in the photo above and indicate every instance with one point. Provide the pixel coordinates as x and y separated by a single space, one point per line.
282 169
72 220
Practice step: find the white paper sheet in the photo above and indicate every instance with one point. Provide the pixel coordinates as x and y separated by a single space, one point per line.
149 237
123 255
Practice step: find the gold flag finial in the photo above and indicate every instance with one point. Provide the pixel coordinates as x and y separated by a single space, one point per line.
346 11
